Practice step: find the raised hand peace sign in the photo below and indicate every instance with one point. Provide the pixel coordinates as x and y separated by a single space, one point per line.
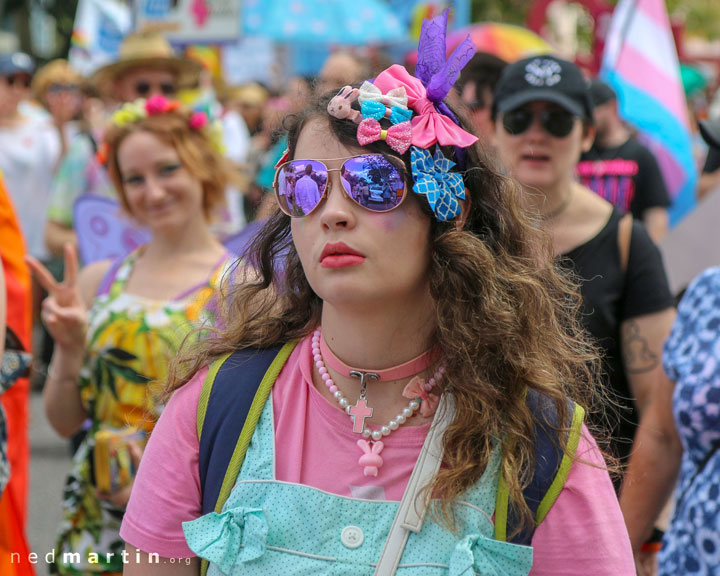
63 311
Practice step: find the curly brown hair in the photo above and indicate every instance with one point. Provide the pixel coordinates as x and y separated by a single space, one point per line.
194 148
506 322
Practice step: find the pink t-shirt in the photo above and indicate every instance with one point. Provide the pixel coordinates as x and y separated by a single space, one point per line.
583 532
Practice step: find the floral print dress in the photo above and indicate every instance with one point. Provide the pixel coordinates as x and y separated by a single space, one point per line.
692 359
131 341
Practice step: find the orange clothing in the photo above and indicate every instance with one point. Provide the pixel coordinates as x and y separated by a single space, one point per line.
13 504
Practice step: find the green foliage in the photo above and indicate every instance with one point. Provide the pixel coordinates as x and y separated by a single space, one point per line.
508 11
702 17
64 13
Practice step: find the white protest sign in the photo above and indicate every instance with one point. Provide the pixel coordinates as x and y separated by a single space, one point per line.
191 21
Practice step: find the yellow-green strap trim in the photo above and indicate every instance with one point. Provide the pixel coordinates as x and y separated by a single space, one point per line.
501 510
251 421
205 392
202 412
256 408
561 477
503 494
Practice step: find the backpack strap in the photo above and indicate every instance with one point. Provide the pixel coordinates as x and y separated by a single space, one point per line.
231 400
551 469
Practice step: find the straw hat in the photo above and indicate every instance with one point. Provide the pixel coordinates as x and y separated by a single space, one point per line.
54 72
248 94
146 50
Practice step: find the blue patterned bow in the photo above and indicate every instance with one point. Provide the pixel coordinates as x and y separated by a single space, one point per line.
478 554
433 178
229 539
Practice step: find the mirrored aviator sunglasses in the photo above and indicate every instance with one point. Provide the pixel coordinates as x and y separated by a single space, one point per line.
370 180
555 121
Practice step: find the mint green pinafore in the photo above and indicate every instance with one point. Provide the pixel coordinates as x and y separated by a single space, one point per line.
273 527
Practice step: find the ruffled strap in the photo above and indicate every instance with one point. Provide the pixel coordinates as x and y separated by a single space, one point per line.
476 553
228 539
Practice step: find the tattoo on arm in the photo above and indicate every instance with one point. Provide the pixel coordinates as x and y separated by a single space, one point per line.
638 356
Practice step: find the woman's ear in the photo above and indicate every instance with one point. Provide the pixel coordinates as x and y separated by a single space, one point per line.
588 136
465 205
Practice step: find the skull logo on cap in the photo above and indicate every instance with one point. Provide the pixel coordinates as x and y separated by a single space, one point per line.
543 72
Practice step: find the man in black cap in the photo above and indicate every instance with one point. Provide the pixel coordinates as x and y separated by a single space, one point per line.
710 177
621 169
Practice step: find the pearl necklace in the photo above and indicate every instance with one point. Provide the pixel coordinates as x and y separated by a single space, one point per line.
371 443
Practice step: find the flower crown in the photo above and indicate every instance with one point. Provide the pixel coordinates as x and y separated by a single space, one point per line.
418 116
133 112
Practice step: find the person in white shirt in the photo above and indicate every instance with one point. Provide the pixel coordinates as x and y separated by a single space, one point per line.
29 151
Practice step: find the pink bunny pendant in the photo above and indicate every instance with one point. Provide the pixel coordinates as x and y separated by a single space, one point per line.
371 458
341 105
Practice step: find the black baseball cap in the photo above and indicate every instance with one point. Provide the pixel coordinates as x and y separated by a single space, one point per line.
710 131
16 63
543 78
601 93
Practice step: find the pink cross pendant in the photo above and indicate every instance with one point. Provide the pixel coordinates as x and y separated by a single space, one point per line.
358 413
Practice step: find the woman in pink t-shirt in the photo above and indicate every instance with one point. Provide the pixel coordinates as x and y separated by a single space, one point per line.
435 339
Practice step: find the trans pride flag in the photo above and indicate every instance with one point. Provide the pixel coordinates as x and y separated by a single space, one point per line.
641 63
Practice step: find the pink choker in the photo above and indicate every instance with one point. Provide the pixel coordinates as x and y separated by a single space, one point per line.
417 390
410 368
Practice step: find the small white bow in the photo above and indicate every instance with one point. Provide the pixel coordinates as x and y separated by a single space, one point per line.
394 97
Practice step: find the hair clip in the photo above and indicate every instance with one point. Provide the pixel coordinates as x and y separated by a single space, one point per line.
283 158
378 111
394 97
398 137
341 105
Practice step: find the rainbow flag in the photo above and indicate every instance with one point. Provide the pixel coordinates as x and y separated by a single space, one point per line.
641 62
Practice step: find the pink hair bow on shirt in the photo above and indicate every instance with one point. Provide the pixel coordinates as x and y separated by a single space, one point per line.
436 75
398 137
418 388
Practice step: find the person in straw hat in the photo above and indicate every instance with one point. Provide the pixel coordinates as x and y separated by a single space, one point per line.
56 86
146 66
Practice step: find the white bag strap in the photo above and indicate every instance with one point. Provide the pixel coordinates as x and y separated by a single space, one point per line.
411 513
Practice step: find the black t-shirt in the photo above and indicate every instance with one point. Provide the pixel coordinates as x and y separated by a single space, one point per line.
610 297
712 162
627 176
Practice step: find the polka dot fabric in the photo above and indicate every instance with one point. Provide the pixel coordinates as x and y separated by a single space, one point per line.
692 359
272 527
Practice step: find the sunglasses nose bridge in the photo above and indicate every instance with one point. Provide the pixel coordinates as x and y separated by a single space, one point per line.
334 184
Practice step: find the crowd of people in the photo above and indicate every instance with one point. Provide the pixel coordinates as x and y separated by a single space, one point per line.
448 344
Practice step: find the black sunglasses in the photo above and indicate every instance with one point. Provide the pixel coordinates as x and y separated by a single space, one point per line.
18 80
556 121
145 88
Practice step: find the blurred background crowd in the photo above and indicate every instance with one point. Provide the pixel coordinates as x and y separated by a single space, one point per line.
67 66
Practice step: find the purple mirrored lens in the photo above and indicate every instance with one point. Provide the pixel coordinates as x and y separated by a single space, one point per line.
300 186
373 182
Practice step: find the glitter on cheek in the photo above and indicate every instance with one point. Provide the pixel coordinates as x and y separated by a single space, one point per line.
391 221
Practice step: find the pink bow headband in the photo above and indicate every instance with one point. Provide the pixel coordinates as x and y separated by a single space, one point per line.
428 125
